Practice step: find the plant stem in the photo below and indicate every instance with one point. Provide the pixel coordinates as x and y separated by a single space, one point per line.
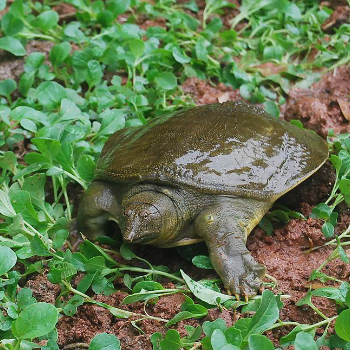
321 323
334 241
122 313
155 272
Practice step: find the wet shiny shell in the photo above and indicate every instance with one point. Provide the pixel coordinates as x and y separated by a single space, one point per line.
230 148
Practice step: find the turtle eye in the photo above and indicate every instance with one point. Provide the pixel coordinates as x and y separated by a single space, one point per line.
209 218
145 215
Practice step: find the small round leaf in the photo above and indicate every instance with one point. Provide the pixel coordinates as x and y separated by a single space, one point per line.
342 325
36 320
104 341
8 259
166 81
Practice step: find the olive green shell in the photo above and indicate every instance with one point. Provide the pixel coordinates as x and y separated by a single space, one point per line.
230 148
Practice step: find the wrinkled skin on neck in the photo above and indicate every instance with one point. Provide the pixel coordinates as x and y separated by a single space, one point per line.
149 217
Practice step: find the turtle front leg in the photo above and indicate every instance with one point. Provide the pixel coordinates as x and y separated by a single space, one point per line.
225 227
97 206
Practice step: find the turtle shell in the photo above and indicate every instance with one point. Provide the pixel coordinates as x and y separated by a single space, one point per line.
230 148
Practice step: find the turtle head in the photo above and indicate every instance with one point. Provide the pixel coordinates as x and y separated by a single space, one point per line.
149 217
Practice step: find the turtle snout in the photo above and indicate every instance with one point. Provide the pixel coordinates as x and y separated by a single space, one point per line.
135 232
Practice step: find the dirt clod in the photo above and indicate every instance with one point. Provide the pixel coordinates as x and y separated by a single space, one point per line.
318 108
203 93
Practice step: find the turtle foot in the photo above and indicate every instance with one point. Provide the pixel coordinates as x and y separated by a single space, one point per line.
242 275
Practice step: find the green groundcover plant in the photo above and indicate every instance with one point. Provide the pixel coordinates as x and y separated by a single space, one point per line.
105 72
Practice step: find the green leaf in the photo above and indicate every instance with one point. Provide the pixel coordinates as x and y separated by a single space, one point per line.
180 57
342 325
155 340
8 259
86 167
105 18
166 81
6 208
305 341
104 341
192 5
49 148
59 238
297 123
95 73
259 342
321 211
233 336
344 186
12 45
34 62
17 8
91 250
8 161
293 12
328 229
59 53
25 298
246 90
201 49
112 120
118 7
184 315
126 252
273 52
266 315
290 337
329 293
36 320
50 94
218 339
72 305
188 310
209 327
22 203
342 254
10 24
272 108
21 112
266 225
146 285
214 25
38 247
47 20
190 22
35 186
7 86
171 341
337 162
28 125
209 296
203 262
137 47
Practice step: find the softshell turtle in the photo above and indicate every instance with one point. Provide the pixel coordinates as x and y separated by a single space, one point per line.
208 173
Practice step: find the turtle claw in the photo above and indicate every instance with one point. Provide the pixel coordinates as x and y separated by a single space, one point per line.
237 297
246 298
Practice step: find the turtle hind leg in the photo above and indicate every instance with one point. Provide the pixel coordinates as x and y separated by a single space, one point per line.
97 207
225 226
